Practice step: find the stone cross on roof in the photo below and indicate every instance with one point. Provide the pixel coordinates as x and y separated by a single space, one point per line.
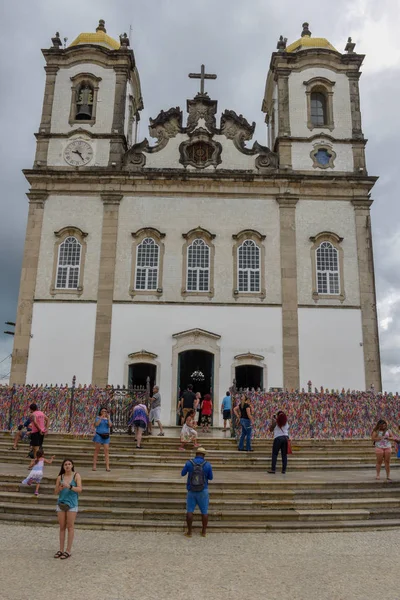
202 76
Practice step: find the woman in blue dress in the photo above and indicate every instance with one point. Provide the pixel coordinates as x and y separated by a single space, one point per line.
102 437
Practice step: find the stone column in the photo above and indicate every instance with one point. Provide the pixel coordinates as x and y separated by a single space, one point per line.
105 291
117 147
284 146
357 134
372 361
27 288
290 325
47 110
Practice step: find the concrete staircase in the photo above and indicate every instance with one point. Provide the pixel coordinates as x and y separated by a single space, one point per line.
330 485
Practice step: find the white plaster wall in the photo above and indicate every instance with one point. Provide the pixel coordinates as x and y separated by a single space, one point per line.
313 217
62 343
302 161
242 329
101 151
63 211
177 215
330 352
62 99
298 103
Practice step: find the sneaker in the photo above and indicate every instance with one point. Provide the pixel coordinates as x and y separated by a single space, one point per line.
160 434
36 493
181 448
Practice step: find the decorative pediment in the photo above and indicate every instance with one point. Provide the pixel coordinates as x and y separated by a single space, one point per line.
196 333
142 355
249 356
199 232
200 144
326 236
70 230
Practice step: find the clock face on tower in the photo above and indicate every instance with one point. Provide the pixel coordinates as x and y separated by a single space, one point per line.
78 153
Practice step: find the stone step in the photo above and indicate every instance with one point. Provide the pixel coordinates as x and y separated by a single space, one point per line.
177 514
242 506
214 526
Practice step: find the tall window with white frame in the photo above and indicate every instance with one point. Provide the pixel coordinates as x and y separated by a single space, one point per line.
327 263
318 109
68 264
248 267
198 266
147 265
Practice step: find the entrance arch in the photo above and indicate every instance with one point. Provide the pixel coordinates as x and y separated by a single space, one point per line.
196 367
139 366
195 340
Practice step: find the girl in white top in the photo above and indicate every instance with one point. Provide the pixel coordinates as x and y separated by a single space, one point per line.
36 474
280 427
382 438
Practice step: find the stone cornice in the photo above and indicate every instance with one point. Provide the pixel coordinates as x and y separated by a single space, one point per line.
362 203
111 198
287 201
88 53
99 180
37 197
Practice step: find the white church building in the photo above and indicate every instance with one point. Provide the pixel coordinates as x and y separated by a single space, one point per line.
203 251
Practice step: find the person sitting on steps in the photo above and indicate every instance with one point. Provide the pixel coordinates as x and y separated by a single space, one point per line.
188 432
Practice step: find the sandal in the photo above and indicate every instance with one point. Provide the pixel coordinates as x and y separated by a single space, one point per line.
65 555
58 554
108 470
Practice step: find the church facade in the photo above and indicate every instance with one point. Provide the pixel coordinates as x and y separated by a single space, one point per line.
203 256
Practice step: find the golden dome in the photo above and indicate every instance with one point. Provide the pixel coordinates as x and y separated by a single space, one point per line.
100 38
306 41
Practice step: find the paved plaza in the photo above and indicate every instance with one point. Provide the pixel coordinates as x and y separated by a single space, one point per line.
109 565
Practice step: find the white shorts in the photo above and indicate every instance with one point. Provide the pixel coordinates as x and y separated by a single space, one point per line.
74 509
155 414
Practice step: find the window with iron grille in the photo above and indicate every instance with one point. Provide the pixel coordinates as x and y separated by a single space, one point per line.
198 266
147 263
318 109
248 267
327 260
69 264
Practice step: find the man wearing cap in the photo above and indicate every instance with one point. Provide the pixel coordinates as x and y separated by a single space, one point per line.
199 473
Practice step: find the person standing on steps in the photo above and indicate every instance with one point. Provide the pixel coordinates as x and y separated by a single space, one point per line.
196 407
155 410
187 401
68 486
39 425
280 427
245 417
199 473
102 437
226 409
206 412
382 438
140 420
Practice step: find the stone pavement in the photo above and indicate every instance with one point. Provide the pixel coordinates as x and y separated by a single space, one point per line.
161 566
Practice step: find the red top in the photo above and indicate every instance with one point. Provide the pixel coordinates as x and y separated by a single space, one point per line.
206 408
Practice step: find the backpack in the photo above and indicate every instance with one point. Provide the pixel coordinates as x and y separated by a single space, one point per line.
197 478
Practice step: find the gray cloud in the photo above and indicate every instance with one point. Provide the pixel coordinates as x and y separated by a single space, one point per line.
232 38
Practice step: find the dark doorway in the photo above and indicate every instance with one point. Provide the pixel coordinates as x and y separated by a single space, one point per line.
249 376
138 374
192 362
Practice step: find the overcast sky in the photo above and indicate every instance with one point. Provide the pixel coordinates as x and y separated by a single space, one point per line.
233 38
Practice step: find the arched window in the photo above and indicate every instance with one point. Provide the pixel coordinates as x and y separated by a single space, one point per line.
198 266
68 264
147 264
85 88
318 109
327 263
248 267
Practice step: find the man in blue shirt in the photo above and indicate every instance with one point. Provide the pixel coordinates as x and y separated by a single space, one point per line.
226 408
197 479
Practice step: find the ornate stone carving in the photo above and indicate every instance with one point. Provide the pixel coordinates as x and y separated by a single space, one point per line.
201 107
200 151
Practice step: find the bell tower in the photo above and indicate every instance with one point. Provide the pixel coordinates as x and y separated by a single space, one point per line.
91 102
312 105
